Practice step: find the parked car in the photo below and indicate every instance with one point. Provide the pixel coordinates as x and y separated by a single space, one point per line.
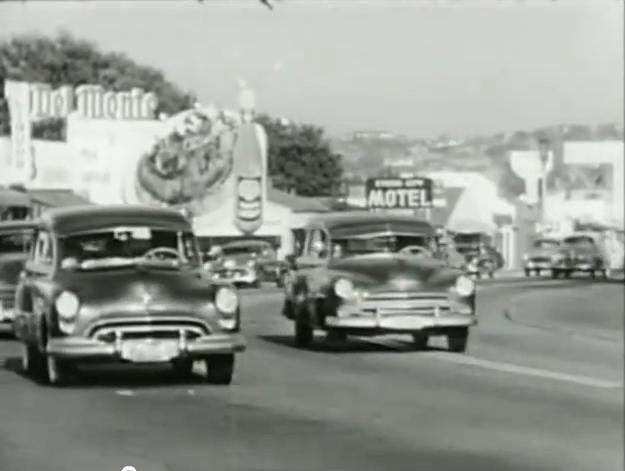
541 255
369 287
580 253
248 263
15 242
122 284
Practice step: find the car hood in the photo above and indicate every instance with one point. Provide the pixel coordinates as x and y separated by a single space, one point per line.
534 253
131 288
580 249
379 273
239 260
11 265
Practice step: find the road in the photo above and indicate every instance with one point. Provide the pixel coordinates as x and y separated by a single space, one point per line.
525 397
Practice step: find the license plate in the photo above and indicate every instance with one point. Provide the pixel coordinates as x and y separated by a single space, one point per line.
149 351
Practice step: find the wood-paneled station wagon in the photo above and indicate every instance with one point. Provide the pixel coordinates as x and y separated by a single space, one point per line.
353 278
122 284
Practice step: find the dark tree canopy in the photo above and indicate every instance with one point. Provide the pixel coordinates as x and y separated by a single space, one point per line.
300 159
65 60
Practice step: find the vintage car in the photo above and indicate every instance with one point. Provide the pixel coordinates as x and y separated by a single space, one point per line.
540 256
248 263
369 287
122 284
15 240
579 253
482 259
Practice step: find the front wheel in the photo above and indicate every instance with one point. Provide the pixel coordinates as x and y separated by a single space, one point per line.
219 368
528 272
304 333
33 361
457 340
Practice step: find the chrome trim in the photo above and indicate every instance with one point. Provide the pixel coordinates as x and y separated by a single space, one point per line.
150 323
147 329
406 303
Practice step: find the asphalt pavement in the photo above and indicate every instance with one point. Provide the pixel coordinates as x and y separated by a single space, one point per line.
525 397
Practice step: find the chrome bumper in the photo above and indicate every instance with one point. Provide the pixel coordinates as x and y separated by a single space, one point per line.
408 323
249 279
80 347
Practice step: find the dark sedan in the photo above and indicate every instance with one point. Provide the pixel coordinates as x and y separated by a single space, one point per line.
122 284
353 279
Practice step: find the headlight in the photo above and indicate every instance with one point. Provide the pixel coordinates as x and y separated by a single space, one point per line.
251 263
344 288
464 286
226 300
229 264
67 305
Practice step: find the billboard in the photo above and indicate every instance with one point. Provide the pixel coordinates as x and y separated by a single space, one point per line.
399 193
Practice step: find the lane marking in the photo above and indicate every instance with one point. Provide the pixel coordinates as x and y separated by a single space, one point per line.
502 367
125 392
525 370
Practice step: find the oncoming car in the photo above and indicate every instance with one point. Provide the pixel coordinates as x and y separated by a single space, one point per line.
353 279
122 284
540 257
248 263
580 252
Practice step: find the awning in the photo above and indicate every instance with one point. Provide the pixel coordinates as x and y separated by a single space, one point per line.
57 198
10 197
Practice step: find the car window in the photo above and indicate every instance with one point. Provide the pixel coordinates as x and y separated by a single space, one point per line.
580 240
43 250
318 244
16 241
546 244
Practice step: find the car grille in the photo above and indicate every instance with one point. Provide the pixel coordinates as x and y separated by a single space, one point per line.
7 299
129 328
230 273
398 304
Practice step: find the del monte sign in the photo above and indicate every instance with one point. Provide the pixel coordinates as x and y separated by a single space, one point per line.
88 101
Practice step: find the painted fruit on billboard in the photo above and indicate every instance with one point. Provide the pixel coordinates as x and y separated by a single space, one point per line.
189 167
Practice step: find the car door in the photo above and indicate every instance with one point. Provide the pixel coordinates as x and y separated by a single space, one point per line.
36 283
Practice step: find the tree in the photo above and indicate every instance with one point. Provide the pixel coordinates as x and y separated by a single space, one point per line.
65 60
300 159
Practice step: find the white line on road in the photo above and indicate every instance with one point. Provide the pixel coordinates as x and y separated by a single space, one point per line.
503 367
525 370
124 392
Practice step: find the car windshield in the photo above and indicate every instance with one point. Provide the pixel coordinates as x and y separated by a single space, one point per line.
583 241
16 241
380 244
546 244
126 245
468 238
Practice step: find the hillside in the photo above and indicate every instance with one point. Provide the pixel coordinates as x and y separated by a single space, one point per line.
368 155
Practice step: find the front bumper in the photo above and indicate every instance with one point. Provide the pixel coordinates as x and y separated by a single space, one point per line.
247 278
348 318
86 348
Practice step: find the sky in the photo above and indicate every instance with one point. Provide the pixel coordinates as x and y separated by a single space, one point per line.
423 68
